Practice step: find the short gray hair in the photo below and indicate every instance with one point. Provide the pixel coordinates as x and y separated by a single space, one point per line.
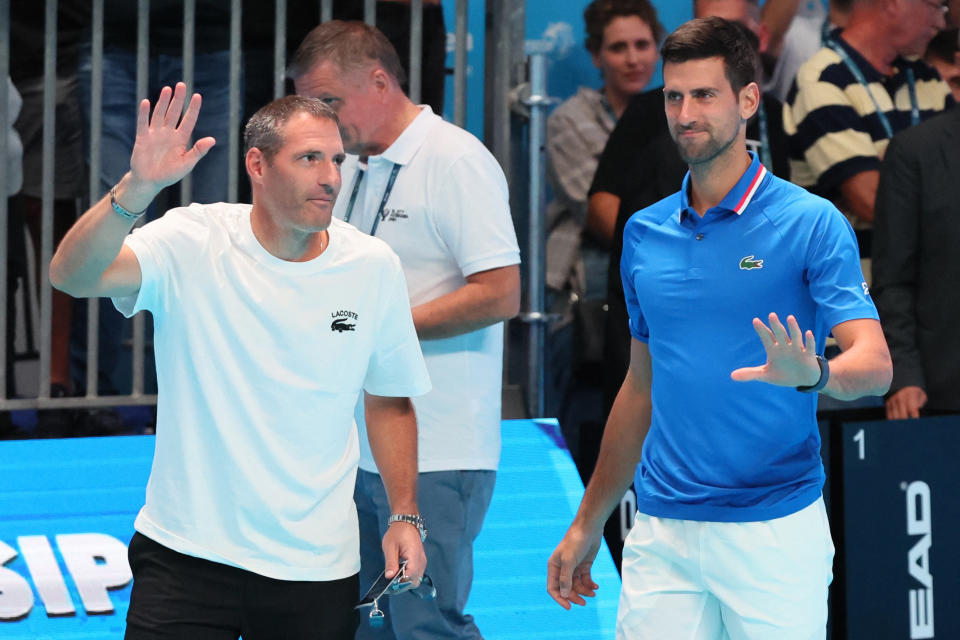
350 46
263 128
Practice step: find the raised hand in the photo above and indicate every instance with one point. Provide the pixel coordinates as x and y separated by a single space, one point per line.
791 360
568 570
161 155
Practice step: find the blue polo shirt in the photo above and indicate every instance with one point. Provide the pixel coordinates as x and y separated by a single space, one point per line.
717 449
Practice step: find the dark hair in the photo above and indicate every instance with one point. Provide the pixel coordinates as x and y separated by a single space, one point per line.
716 38
263 129
944 46
600 13
350 46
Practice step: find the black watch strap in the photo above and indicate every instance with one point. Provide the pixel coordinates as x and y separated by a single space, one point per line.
824 376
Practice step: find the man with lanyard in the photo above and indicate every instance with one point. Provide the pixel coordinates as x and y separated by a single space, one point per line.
864 85
436 195
249 527
731 538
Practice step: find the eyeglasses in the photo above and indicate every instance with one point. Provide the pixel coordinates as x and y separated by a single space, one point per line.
390 587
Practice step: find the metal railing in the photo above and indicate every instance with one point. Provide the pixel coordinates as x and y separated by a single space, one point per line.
137 395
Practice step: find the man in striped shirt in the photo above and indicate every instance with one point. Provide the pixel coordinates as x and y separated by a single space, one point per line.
863 86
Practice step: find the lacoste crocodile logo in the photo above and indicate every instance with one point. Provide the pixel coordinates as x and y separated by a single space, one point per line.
341 325
748 262
341 321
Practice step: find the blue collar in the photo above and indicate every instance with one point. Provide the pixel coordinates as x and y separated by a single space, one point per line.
739 197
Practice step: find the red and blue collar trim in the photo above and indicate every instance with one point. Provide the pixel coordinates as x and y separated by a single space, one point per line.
752 187
742 193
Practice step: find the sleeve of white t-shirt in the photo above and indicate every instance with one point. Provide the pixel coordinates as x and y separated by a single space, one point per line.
473 214
396 367
158 246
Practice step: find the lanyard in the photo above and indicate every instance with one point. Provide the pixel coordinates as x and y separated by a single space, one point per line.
858 74
914 106
383 201
765 158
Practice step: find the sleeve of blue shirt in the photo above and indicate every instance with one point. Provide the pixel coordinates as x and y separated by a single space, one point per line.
833 269
632 236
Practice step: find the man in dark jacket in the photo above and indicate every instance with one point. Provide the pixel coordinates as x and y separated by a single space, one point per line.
916 266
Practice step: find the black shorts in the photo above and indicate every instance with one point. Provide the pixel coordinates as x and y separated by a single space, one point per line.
182 597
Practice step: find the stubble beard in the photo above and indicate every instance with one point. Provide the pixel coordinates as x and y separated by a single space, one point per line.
710 151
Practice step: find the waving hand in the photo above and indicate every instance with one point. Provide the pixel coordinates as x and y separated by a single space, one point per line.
791 355
161 155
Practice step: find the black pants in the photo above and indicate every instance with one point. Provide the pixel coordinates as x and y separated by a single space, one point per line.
182 597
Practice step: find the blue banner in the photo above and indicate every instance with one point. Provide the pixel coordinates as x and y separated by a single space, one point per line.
67 509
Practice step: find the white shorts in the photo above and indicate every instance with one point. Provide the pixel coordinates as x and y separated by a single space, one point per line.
690 580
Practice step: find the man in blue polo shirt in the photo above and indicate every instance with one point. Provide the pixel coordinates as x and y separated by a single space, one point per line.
731 539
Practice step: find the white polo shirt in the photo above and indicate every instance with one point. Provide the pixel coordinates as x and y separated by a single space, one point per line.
447 217
259 364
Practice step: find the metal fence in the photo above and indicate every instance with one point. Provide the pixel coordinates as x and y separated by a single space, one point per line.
501 70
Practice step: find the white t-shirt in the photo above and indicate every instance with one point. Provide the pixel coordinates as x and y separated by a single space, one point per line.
259 365
447 217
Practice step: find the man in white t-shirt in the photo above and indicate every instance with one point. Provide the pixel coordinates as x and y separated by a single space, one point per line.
269 320
436 195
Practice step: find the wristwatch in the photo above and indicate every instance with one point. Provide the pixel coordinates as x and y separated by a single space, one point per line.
410 518
824 377
120 211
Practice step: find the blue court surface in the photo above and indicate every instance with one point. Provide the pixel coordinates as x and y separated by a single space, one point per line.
67 509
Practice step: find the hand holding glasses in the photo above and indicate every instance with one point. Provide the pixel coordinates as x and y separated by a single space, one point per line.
384 586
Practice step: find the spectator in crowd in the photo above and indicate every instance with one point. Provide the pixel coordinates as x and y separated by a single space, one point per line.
253 383
211 78
916 266
622 38
728 454
943 54
436 195
863 86
27 51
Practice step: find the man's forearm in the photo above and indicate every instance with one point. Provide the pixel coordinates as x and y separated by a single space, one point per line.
95 240
620 451
776 16
864 368
392 432
602 211
487 298
856 375
860 194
